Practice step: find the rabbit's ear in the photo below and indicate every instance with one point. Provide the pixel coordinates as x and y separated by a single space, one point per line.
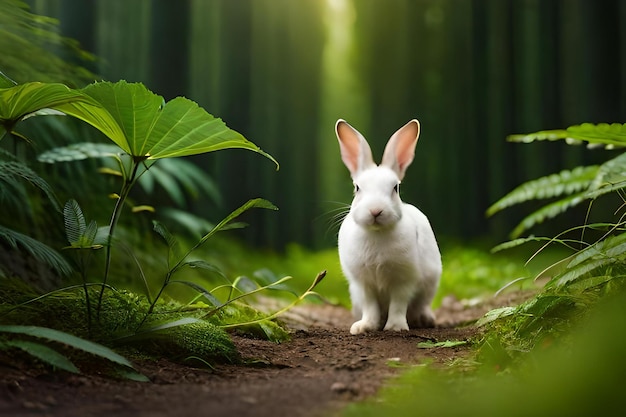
400 149
355 151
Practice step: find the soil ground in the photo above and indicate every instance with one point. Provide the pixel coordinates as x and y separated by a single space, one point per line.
319 371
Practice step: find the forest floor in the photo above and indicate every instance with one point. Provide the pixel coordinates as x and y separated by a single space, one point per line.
320 370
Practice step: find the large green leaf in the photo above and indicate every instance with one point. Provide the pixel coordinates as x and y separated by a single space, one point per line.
150 128
35 98
22 100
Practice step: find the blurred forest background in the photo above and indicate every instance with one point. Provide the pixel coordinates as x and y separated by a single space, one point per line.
282 71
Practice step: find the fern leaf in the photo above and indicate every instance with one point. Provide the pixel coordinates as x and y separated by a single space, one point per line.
613 134
522 240
537 136
91 231
593 260
548 212
37 249
75 225
564 183
602 133
12 171
611 176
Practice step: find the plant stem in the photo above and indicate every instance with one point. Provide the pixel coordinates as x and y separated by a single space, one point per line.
166 282
83 274
117 211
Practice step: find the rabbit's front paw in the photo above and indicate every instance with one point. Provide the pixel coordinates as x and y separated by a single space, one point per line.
397 324
363 326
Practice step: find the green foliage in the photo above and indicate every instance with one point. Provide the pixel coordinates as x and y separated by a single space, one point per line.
180 178
24 100
38 250
472 272
602 133
591 270
12 176
571 186
177 259
80 234
79 151
51 356
174 330
31 45
144 129
6 81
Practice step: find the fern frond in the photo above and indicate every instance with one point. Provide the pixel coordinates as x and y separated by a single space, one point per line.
523 240
548 212
613 134
602 133
611 176
12 171
594 260
74 219
37 249
537 136
564 183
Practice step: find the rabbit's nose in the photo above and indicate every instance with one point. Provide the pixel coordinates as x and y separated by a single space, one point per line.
376 212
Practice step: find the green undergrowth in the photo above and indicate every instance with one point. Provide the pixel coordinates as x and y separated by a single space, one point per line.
575 370
181 332
469 269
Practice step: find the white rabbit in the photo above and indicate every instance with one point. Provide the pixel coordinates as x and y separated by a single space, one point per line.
387 248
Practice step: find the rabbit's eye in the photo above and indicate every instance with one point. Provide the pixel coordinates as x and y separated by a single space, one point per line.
396 188
356 188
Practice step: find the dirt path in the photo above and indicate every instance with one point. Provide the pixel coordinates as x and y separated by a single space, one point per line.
321 369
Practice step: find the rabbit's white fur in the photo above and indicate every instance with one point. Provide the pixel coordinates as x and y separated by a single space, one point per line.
387 248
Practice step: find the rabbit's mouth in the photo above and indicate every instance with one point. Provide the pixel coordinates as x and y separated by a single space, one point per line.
378 222
375 219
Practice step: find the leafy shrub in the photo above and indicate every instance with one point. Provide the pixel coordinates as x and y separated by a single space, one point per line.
593 268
